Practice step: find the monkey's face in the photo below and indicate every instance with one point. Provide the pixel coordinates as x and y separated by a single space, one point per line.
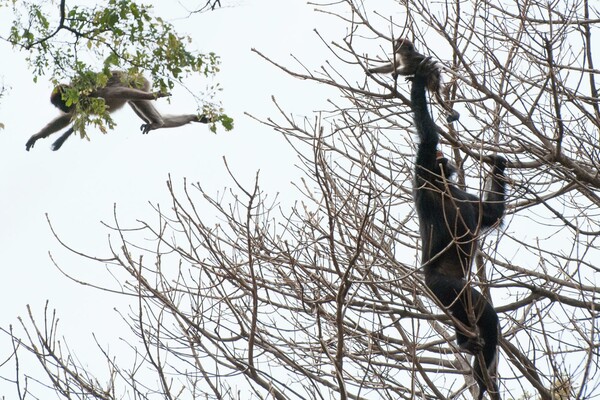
404 46
56 98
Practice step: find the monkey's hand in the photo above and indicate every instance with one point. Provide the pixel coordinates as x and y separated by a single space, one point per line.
204 119
498 162
158 95
30 142
453 116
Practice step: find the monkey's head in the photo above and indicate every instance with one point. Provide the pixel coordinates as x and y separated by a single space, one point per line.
404 45
56 98
446 168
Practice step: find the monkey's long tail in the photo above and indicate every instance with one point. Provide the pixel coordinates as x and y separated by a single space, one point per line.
488 327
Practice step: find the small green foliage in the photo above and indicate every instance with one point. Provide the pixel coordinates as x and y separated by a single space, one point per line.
125 34
226 121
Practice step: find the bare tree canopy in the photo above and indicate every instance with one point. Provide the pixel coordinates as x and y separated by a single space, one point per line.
326 299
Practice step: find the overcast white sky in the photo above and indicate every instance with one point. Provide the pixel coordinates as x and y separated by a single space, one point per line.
78 185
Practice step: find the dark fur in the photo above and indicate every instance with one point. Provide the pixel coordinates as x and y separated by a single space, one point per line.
56 98
449 220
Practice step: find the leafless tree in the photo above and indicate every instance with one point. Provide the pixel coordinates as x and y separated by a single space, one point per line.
325 299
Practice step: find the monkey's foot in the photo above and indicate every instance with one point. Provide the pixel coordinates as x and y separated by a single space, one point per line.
145 128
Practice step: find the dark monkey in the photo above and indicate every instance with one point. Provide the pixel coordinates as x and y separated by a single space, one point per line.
122 88
407 61
449 221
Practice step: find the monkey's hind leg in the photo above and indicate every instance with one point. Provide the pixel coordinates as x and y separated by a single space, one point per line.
59 142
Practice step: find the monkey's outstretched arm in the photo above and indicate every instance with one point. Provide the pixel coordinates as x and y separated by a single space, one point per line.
384 69
405 65
399 69
55 125
426 129
127 93
174 121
